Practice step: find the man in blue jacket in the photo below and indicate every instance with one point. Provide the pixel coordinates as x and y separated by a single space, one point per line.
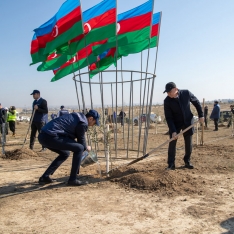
179 116
40 117
59 136
215 114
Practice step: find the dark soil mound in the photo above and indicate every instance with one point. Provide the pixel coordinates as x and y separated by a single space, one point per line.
19 154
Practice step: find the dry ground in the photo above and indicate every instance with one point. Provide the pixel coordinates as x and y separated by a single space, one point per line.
142 198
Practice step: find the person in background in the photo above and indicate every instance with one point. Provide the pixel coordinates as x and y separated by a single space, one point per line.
59 136
206 115
62 111
11 119
215 115
122 114
231 118
53 116
179 116
6 117
39 119
3 120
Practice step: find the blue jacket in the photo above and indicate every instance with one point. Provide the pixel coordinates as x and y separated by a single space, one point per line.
215 114
177 111
73 126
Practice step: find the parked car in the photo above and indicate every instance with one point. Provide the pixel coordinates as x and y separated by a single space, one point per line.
153 118
225 115
23 118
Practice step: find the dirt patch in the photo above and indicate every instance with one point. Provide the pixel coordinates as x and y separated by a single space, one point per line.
18 154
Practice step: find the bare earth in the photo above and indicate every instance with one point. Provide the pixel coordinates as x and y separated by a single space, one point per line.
142 198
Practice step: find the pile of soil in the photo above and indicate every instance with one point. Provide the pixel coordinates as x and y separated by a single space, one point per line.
151 175
19 154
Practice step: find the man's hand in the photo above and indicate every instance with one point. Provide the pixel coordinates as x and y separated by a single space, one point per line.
35 107
201 120
174 135
88 148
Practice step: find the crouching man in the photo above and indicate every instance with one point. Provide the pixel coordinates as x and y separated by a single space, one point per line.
59 136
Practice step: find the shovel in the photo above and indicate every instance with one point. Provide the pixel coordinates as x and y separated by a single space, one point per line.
148 154
30 123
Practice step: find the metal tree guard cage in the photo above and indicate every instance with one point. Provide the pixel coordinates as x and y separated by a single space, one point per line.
111 92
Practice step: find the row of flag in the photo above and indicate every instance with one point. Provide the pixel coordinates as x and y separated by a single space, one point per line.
97 37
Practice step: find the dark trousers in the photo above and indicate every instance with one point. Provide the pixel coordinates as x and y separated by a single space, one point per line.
216 123
62 145
35 126
206 121
12 126
172 148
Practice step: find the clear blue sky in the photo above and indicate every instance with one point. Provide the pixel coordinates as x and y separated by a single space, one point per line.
196 50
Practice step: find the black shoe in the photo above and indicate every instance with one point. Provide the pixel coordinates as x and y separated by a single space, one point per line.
188 165
171 167
215 130
45 180
43 149
76 182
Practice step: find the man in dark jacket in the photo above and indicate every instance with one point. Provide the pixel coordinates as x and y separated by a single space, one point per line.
206 115
62 111
179 116
40 117
59 136
215 114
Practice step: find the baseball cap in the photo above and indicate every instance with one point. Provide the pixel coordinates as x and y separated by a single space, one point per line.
95 115
35 91
6 108
61 107
169 87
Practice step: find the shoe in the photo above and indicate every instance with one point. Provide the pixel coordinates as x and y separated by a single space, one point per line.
171 167
76 182
45 180
43 149
215 130
188 165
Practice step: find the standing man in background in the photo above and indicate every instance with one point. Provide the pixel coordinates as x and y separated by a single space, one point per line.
3 122
215 115
11 118
62 111
206 115
179 116
39 119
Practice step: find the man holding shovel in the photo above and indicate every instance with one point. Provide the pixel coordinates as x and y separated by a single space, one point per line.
59 136
179 116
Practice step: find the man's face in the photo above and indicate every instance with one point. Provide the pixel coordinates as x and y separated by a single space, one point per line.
36 95
91 121
173 93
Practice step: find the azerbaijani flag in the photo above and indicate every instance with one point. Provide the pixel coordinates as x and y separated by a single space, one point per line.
65 25
99 24
105 60
133 26
56 60
145 44
82 59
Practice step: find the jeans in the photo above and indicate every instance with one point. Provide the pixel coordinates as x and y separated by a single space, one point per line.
172 148
62 145
34 128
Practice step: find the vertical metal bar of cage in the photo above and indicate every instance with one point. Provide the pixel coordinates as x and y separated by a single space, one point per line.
129 110
112 108
74 78
122 99
132 115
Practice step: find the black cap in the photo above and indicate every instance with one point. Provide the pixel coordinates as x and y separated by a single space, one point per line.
61 107
169 87
35 91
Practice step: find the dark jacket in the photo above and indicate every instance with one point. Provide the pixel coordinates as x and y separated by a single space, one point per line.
177 111
215 114
73 126
2 116
41 112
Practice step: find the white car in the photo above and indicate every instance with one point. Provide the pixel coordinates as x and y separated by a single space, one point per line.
153 118
23 118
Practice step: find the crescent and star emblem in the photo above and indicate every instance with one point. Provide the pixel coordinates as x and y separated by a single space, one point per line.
55 31
87 28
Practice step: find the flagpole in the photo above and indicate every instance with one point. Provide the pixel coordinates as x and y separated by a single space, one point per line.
116 96
152 90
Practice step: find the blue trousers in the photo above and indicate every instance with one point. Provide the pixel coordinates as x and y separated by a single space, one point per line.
188 148
62 145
